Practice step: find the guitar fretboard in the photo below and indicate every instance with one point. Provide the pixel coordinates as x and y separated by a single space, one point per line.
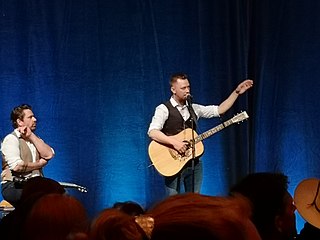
213 131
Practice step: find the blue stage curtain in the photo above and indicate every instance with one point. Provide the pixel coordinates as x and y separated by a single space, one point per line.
95 70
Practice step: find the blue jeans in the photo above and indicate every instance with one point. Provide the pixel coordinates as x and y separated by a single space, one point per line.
183 179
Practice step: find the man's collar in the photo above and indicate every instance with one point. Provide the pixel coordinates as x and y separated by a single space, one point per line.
174 103
17 132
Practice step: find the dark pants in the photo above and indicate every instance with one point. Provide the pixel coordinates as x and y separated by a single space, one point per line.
11 192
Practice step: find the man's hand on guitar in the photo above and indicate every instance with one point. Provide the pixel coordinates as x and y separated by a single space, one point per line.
181 147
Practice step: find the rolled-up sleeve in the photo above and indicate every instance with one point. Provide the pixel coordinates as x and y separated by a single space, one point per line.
10 149
159 118
209 111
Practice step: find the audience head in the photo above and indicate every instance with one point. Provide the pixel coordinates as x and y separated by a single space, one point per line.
194 216
186 216
39 186
273 209
56 216
114 224
33 189
129 207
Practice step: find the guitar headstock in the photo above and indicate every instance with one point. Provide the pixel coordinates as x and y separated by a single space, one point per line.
82 189
240 117
73 185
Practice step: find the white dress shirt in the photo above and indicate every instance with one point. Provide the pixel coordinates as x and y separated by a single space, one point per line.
162 113
11 150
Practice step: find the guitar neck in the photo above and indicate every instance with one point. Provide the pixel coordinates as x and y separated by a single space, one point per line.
212 131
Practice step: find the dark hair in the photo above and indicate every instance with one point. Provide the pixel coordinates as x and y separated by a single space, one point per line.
176 76
129 207
18 113
267 193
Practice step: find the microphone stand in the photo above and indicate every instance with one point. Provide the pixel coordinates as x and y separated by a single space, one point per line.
193 119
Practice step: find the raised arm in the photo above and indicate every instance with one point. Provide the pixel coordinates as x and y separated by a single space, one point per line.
240 89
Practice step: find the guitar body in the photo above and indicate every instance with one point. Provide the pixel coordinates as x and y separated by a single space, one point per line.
167 160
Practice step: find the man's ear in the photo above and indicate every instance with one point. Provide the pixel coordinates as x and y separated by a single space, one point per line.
173 90
19 122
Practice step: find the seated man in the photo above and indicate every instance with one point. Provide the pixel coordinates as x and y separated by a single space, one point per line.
24 154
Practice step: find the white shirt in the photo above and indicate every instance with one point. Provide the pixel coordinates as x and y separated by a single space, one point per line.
10 148
162 113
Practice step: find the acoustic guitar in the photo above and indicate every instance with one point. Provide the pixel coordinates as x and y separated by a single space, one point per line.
169 162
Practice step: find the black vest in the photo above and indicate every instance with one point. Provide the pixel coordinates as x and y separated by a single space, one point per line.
175 122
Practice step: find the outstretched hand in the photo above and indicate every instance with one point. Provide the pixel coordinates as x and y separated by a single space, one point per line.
244 86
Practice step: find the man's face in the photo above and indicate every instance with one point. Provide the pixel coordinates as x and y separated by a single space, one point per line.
29 120
288 219
180 89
